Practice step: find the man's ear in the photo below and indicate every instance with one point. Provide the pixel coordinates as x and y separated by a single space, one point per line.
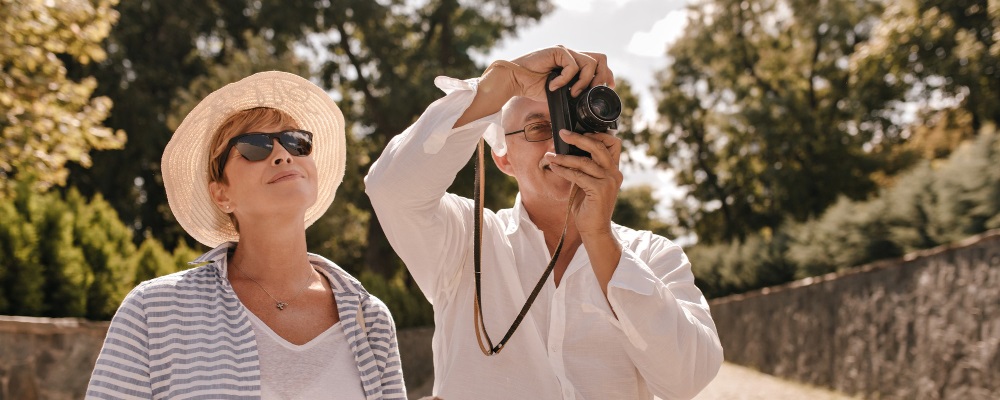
502 163
220 195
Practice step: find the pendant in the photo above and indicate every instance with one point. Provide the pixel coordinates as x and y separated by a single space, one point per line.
281 305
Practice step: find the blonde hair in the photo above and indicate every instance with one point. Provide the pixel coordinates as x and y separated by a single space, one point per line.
239 123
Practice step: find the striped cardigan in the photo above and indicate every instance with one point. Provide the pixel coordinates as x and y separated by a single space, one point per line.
186 335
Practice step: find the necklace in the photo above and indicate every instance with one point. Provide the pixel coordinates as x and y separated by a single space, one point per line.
277 303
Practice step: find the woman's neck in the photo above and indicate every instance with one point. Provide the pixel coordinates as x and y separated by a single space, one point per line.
272 251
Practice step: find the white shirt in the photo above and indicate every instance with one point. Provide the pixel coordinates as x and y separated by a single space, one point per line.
660 340
324 367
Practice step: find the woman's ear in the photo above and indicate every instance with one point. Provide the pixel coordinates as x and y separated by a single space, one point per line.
220 195
502 163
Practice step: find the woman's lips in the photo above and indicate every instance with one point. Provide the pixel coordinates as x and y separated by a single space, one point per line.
284 176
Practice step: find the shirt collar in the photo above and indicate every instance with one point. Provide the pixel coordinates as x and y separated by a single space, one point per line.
518 214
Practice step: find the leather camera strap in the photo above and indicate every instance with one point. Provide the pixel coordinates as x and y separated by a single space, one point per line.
488 348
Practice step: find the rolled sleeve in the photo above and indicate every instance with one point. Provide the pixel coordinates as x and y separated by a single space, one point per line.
666 321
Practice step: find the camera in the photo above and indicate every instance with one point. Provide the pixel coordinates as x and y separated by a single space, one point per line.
595 110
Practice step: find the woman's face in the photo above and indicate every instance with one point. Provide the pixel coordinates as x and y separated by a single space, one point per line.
279 186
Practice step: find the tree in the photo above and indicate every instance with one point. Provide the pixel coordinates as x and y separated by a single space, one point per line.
635 209
383 60
156 50
21 274
46 118
936 55
761 118
151 261
66 256
66 271
107 247
379 57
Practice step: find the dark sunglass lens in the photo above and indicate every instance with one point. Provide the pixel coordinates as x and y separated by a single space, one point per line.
254 147
298 143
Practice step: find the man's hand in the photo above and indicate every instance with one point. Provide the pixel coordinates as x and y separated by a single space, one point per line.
599 179
525 76
592 69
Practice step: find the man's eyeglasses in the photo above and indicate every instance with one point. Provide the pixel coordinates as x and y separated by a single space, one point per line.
257 146
535 131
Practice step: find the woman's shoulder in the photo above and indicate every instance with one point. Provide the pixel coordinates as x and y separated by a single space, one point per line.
341 280
193 279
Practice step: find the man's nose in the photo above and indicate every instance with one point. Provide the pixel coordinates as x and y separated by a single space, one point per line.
551 144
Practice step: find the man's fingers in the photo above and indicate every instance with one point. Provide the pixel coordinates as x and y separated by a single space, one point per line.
602 74
582 164
582 179
565 59
604 149
588 68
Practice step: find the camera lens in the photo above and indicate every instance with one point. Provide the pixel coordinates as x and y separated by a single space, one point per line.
598 108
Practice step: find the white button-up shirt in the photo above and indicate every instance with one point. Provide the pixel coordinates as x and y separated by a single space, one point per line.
652 335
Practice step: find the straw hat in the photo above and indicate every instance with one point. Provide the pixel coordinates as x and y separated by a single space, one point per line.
185 160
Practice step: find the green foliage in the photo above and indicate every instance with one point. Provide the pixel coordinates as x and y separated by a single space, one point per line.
739 266
759 121
106 244
67 274
383 58
934 54
635 209
46 118
408 305
21 273
155 53
378 59
969 187
66 256
929 205
848 234
774 109
151 261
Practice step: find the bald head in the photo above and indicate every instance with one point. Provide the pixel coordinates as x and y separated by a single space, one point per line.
520 111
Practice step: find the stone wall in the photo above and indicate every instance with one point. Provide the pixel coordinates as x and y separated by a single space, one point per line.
926 326
52 358
43 358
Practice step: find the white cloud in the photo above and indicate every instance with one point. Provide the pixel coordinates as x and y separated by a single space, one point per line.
574 5
664 32
586 5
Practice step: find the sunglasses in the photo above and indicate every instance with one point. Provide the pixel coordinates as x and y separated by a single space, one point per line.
257 146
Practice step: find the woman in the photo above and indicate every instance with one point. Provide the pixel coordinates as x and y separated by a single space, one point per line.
246 172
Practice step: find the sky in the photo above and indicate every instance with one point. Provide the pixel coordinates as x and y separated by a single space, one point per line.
634 34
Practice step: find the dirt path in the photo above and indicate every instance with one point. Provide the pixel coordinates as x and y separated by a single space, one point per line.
740 383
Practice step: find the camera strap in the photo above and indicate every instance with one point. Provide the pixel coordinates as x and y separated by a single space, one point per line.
488 348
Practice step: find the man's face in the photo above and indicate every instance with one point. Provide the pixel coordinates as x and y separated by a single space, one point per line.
525 160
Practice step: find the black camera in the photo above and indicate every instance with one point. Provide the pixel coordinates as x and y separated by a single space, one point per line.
596 110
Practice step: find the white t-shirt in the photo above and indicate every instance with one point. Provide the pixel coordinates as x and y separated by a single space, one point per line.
322 368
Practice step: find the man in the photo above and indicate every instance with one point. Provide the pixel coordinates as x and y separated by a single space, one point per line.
620 316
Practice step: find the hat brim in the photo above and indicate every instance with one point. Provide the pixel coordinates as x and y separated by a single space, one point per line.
184 165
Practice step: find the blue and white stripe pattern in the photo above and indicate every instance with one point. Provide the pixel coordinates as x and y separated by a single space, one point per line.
186 335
